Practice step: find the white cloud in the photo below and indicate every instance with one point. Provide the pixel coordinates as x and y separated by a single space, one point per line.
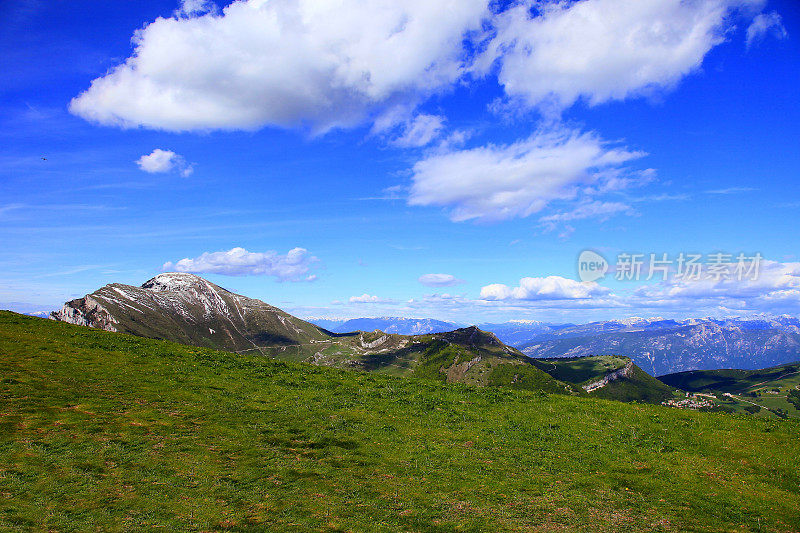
368 299
555 298
775 290
588 209
190 8
286 63
497 182
293 266
602 50
766 24
732 190
615 180
455 139
775 283
324 64
161 161
549 288
420 131
439 280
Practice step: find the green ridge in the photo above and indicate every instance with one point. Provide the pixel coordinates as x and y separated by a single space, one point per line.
769 392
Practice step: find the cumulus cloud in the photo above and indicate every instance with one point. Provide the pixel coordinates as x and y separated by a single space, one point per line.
162 161
337 63
497 182
295 265
368 299
775 284
765 24
287 63
439 280
775 289
600 50
549 288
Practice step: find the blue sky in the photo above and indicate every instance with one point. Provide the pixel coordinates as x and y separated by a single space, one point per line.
487 144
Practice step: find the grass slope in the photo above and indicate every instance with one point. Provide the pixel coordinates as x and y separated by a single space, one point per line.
736 381
103 431
581 370
466 355
770 392
637 386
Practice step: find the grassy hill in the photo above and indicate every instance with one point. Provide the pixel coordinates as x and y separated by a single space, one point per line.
466 355
770 392
105 431
633 385
190 310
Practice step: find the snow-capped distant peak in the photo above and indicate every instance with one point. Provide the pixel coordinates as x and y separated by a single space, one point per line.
173 281
631 321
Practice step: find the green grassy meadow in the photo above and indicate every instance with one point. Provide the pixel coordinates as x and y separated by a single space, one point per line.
107 432
764 393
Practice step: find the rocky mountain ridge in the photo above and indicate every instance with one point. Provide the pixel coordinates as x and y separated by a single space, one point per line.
188 309
191 310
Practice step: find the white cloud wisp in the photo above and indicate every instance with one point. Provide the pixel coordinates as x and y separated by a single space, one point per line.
439 280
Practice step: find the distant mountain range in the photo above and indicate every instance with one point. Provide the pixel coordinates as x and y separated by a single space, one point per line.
398 325
659 346
514 332
662 346
187 309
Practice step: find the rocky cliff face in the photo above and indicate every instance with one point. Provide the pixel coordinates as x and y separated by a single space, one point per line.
620 373
86 311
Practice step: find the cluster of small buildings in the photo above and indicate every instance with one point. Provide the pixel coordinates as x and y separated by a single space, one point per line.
692 401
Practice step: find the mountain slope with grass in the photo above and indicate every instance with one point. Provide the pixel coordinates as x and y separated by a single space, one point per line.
190 310
773 391
106 431
608 376
466 355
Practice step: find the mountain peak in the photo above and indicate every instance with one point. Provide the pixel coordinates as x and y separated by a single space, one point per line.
174 281
188 309
472 335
